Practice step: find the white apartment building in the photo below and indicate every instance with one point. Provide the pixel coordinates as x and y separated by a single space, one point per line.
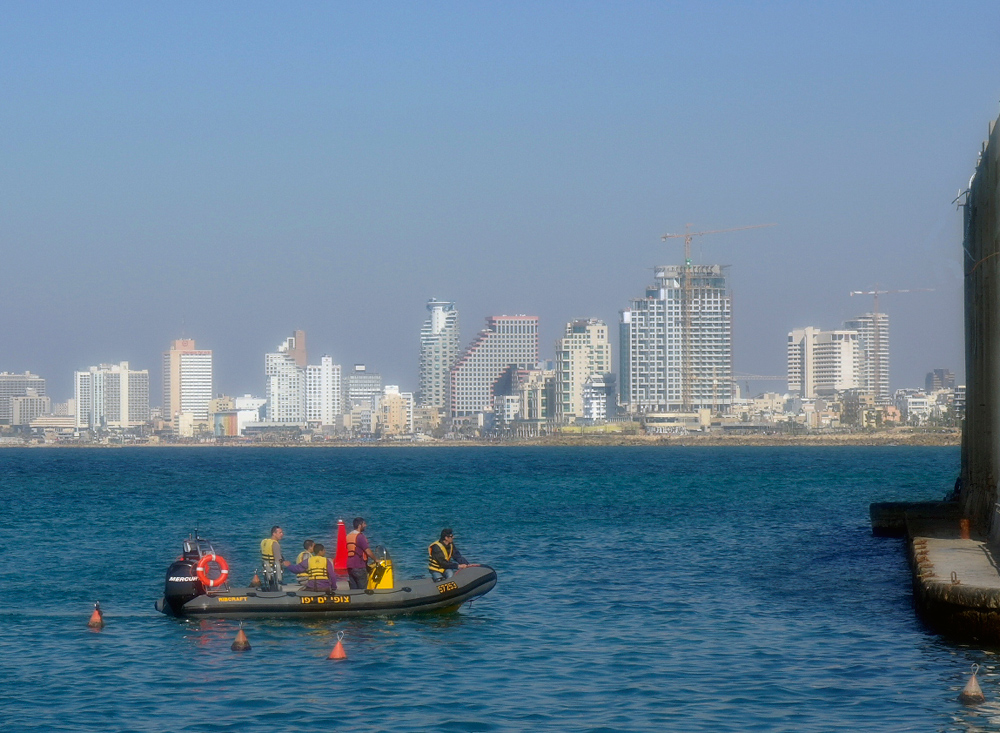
111 396
285 385
363 386
324 397
29 407
439 347
506 341
873 346
187 380
17 385
821 363
676 357
582 353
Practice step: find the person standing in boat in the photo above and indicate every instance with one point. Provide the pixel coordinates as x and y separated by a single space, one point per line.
270 555
445 558
358 555
307 552
318 569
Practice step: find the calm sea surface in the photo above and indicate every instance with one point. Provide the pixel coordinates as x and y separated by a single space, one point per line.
692 589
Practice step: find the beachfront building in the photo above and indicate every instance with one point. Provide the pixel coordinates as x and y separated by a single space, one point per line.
25 408
439 346
676 343
111 396
583 352
324 397
505 342
822 363
395 412
187 380
364 387
285 386
17 385
873 347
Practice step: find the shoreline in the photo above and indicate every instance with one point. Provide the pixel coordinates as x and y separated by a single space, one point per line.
878 439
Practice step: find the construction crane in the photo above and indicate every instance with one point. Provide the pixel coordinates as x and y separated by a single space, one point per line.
687 286
877 365
747 378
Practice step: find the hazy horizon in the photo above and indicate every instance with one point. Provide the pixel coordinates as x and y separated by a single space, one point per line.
232 173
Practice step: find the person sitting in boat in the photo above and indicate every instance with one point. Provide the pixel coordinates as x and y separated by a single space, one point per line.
270 555
318 569
307 552
358 555
445 558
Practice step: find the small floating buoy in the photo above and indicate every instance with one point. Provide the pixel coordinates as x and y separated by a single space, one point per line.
97 617
255 583
338 648
972 693
241 644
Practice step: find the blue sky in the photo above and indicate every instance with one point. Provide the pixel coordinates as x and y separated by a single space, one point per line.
236 171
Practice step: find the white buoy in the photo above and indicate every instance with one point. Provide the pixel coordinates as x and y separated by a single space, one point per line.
972 693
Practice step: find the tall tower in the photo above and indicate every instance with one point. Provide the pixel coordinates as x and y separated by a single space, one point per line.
873 348
324 396
286 384
676 342
506 341
187 379
439 347
583 352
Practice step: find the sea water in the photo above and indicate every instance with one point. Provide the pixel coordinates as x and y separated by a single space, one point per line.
640 588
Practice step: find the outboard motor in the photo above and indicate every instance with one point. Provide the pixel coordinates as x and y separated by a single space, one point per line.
381 572
182 583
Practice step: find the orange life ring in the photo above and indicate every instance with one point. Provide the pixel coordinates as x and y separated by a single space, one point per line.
201 570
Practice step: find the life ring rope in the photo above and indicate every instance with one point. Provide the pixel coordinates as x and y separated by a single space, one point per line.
201 570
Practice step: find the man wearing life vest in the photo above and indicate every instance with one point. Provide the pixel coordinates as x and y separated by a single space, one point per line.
318 569
358 555
444 557
270 555
307 552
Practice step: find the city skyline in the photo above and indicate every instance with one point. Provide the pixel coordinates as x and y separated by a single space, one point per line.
163 179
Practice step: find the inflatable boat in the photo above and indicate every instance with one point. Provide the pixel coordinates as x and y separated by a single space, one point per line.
197 585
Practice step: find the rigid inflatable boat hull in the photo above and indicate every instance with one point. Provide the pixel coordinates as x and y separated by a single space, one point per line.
412 596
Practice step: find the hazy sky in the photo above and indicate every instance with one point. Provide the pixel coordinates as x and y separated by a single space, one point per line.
233 171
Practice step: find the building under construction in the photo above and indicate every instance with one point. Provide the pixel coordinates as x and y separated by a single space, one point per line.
676 343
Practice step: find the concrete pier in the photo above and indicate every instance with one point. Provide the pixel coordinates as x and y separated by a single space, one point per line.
956 582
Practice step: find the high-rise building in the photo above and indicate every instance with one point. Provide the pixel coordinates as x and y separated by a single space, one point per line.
676 342
439 345
286 385
111 396
17 385
297 348
506 341
187 380
26 408
821 363
583 352
938 379
324 397
873 346
362 387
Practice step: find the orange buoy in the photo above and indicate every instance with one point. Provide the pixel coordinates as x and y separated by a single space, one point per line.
96 618
340 559
255 583
972 693
242 644
338 648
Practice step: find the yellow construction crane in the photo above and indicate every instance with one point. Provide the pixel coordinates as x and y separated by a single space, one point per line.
877 365
686 300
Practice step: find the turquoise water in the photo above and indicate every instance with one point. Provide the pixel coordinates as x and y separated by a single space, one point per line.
695 589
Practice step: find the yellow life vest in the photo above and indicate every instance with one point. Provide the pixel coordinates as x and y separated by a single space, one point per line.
267 551
305 554
432 564
317 569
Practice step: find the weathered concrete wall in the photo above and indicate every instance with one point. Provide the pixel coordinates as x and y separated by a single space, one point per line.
981 436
